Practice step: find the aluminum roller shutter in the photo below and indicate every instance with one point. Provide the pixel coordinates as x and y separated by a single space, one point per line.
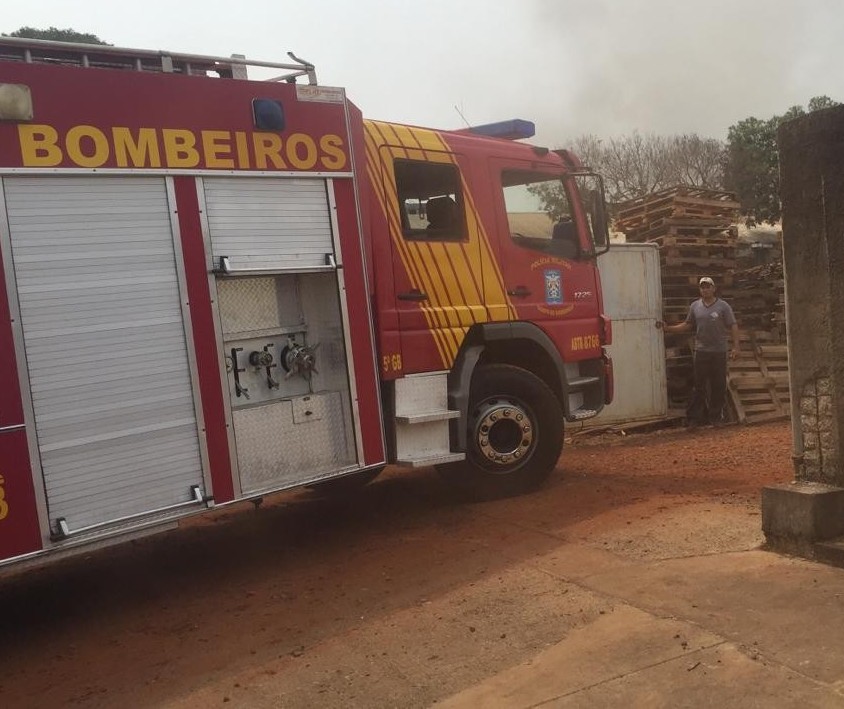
269 223
105 344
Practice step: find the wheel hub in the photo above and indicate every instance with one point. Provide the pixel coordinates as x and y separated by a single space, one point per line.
504 433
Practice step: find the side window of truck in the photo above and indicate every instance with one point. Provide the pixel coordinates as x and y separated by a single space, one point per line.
430 201
539 213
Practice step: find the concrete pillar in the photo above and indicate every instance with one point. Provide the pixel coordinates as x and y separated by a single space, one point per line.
811 150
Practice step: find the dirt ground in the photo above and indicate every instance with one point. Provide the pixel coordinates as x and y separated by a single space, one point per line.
399 595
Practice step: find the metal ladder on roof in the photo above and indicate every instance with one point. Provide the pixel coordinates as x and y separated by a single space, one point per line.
103 56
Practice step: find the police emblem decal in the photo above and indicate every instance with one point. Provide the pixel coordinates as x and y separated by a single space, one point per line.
553 287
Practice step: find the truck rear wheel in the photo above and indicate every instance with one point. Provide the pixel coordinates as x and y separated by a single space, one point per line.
515 433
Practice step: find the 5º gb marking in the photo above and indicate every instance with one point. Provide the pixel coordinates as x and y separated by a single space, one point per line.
4 506
391 363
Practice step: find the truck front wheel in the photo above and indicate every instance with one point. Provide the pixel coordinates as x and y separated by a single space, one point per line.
515 433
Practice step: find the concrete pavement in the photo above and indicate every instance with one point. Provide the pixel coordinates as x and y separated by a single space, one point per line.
739 629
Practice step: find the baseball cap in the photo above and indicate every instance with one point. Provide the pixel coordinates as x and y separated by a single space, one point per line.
706 279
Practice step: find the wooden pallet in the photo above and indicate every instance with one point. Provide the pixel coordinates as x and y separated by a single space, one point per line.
680 299
677 204
710 251
710 264
722 238
684 197
758 380
674 313
675 353
659 229
689 279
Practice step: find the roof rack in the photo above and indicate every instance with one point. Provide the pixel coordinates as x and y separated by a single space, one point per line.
39 51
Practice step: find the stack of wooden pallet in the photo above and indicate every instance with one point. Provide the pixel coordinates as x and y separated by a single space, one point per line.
697 237
678 211
757 295
758 380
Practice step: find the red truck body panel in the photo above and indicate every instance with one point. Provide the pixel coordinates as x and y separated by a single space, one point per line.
469 282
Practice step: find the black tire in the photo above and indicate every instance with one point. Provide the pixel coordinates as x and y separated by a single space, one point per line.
345 484
515 434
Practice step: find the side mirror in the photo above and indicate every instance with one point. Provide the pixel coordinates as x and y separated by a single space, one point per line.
591 188
600 222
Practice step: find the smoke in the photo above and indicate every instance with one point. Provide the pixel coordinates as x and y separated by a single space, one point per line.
611 67
666 67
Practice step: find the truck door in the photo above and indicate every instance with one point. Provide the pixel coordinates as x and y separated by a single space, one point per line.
546 278
436 256
108 358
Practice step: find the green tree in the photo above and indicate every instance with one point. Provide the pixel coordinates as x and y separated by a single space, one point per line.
819 102
56 35
751 168
553 199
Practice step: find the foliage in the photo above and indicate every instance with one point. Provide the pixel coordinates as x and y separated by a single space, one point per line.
635 165
819 102
751 169
56 35
697 162
632 164
553 198
638 164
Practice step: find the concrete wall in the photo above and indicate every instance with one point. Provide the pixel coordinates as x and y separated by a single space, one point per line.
812 192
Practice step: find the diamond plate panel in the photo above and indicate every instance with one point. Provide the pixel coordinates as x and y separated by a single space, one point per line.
309 408
427 392
273 450
263 303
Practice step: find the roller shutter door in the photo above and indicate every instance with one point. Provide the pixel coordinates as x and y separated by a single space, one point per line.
269 223
105 345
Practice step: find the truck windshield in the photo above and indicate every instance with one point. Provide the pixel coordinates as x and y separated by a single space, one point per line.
540 213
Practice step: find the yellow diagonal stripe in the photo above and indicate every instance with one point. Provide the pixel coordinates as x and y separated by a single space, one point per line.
374 166
459 278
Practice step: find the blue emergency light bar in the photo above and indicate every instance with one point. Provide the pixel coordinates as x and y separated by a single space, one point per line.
509 130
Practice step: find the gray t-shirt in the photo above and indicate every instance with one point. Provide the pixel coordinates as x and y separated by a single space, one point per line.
712 324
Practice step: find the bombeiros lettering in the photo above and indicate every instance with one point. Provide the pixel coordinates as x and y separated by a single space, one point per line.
178 148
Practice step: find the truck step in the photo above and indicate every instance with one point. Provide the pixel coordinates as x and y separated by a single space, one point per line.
426 416
431 459
581 414
578 383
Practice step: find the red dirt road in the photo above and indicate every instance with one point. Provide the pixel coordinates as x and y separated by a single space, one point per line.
398 595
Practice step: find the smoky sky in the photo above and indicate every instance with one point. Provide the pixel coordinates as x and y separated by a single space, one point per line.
605 67
665 67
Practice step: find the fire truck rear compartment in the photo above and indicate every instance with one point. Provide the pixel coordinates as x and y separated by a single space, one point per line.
291 421
282 331
107 356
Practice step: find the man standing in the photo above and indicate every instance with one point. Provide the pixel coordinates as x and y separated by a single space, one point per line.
711 319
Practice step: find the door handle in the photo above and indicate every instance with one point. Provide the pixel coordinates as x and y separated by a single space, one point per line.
519 291
415 294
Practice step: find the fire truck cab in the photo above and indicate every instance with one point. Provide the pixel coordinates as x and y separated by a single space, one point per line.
483 298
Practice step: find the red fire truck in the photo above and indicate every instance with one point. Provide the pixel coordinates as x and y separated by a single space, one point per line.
213 288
